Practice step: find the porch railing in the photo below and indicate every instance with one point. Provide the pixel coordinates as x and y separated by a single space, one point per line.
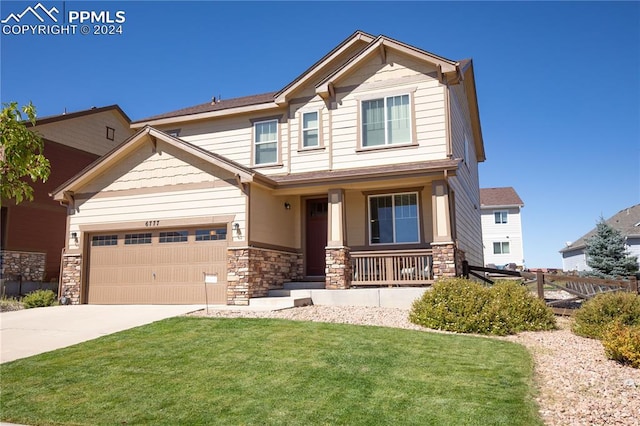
392 268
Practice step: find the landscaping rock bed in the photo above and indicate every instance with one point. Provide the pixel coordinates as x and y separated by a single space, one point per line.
577 384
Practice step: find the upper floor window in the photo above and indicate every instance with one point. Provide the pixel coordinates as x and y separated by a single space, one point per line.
111 133
266 142
500 216
501 248
386 121
310 137
394 218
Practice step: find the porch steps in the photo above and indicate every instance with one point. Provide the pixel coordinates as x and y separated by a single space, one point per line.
293 294
297 289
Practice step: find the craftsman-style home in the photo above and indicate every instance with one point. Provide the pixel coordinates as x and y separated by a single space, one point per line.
361 171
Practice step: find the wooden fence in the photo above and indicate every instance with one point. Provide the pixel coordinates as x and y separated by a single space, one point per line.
563 293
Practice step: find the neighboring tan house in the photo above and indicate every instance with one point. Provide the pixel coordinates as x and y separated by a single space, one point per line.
361 171
626 221
502 227
33 232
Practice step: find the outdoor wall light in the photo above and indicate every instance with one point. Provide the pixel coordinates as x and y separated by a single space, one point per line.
74 235
236 227
287 206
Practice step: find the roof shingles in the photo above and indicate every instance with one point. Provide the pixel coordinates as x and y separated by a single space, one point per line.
506 196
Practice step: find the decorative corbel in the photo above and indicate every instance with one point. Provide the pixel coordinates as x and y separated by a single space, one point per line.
383 53
332 91
154 144
69 196
440 75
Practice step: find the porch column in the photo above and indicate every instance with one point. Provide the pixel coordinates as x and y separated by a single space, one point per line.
338 256
71 278
445 251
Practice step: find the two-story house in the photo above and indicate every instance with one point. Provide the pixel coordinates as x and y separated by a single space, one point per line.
361 171
502 227
33 233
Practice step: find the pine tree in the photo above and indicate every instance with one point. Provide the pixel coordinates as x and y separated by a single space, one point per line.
607 253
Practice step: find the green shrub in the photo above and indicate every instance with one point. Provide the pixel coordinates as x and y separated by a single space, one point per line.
622 343
39 299
9 304
598 313
464 306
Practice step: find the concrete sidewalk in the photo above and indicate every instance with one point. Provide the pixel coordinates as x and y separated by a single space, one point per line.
33 331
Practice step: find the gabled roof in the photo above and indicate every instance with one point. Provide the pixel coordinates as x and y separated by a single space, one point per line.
627 221
67 116
499 197
150 135
377 47
315 69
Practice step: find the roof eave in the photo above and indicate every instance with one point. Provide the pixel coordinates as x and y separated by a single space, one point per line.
206 115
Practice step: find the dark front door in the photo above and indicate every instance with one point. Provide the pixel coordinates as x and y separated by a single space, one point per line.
316 236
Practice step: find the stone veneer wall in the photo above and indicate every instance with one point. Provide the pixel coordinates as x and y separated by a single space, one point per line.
71 278
29 265
447 260
338 268
252 271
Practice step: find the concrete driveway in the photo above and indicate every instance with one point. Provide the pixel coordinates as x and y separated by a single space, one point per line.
33 331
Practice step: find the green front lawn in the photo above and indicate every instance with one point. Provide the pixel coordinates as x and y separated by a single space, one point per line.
203 371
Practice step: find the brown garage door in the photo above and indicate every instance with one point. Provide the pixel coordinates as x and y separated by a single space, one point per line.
158 267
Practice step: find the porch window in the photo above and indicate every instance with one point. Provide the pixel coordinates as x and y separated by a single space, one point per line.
310 129
501 248
500 217
393 218
386 121
266 142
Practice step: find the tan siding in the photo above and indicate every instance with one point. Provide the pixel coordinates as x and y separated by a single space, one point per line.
88 132
356 215
232 137
466 182
167 166
271 223
155 199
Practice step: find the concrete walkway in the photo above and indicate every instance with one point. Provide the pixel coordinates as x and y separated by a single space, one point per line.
33 331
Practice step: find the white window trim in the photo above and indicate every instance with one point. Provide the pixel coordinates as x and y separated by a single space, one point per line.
301 146
410 91
255 144
506 214
392 194
501 247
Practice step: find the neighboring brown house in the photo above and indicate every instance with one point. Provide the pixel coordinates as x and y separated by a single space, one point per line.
33 232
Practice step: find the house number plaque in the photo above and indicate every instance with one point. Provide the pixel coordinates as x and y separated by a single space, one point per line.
152 223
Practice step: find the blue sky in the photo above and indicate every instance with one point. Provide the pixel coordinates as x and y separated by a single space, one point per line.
558 82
